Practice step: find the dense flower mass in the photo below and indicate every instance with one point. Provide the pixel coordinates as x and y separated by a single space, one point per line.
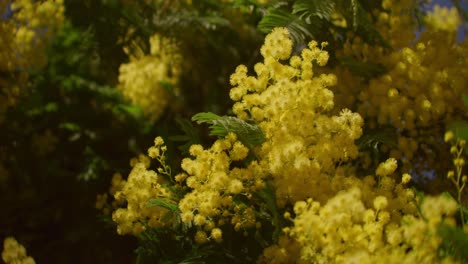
344 230
146 80
290 102
338 215
327 131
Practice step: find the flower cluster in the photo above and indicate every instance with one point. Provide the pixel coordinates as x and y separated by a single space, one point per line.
413 94
15 253
290 103
145 80
214 185
25 36
391 203
339 215
31 27
457 176
141 186
345 230
443 18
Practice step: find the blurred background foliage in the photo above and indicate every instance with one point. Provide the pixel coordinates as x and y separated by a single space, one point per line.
71 129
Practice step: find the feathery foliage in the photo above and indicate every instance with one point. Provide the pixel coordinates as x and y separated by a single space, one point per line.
250 135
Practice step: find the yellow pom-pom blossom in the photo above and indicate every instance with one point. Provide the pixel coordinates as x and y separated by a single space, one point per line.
141 186
406 178
290 103
386 168
142 80
214 184
15 253
345 230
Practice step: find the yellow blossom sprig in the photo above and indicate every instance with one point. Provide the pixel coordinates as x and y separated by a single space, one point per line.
142 192
158 152
457 176
143 80
213 187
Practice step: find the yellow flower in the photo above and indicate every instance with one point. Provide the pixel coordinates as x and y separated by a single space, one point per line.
217 235
443 18
201 237
386 168
380 203
142 80
448 136
277 44
15 253
406 178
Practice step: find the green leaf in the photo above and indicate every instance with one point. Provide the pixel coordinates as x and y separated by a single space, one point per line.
299 30
190 136
166 85
94 166
465 99
48 108
185 21
250 135
131 110
70 126
163 203
268 195
318 8
364 69
373 138
459 129
357 16
455 242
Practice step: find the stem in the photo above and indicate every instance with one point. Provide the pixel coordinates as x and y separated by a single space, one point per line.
460 188
462 216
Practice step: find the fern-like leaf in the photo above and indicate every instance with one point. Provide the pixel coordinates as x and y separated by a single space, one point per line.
268 195
366 69
190 135
455 242
314 8
299 30
357 16
373 138
188 21
163 203
250 135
